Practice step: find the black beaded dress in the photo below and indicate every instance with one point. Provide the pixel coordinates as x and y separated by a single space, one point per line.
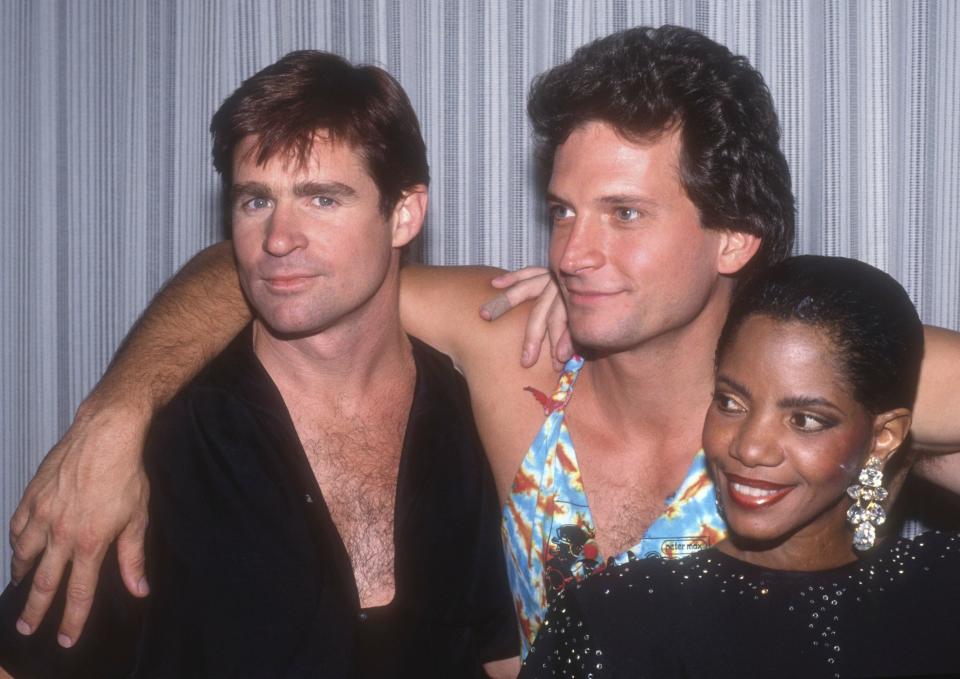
895 612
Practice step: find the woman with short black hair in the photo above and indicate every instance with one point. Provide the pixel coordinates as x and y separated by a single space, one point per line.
817 369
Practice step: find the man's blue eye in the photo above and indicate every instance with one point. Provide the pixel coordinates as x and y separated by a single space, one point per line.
258 203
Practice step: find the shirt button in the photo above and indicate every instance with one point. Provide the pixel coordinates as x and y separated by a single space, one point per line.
362 617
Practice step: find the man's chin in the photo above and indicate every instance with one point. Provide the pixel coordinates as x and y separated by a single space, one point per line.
286 329
594 342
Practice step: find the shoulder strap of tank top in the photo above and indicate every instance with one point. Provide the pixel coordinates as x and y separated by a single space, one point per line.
564 390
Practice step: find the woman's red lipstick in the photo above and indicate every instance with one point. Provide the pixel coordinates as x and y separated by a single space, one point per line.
754 493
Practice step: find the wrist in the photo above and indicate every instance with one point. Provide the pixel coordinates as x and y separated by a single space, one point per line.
104 403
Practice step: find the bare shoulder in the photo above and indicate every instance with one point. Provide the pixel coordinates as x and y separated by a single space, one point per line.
506 407
440 305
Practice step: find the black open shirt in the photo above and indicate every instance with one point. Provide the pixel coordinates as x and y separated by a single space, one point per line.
249 577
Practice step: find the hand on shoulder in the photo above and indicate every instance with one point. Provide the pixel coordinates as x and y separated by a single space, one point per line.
89 491
546 317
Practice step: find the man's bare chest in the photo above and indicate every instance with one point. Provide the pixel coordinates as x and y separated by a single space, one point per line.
356 465
627 483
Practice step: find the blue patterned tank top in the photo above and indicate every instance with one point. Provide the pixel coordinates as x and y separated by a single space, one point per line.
549 533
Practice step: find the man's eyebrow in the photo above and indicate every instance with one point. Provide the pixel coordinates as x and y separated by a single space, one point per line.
612 199
554 198
250 189
626 198
733 384
331 189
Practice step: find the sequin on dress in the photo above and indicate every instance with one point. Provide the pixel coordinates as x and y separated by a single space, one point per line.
895 612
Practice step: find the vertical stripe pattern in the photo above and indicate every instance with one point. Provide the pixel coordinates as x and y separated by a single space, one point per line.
104 145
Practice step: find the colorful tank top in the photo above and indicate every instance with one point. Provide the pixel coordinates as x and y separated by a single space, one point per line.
548 531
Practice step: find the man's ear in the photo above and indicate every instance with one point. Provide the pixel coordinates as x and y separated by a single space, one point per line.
408 215
890 428
736 249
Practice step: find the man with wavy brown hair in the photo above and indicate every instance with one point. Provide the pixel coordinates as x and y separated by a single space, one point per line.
665 183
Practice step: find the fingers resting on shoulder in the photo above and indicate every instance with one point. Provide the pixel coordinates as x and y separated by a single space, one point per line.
547 318
89 491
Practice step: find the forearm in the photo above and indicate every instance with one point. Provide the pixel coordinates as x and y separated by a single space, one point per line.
936 417
190 320
936 414
91 489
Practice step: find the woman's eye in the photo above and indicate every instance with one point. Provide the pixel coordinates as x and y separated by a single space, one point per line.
727 404
809 423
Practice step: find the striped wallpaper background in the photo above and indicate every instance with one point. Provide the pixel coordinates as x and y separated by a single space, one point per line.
105 154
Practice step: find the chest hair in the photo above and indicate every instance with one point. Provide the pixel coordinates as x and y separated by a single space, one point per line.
355 460
623 511
626 482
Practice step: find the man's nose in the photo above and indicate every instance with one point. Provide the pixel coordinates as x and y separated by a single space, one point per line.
582 247
284 232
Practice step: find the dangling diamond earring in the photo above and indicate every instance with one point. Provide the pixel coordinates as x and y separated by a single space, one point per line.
866 513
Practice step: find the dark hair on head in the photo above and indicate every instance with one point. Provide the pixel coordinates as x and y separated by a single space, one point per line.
876 333
288 102
646 81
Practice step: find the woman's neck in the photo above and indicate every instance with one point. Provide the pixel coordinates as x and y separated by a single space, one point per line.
820 553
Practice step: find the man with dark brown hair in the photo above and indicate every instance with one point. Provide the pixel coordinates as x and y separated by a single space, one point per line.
320 502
